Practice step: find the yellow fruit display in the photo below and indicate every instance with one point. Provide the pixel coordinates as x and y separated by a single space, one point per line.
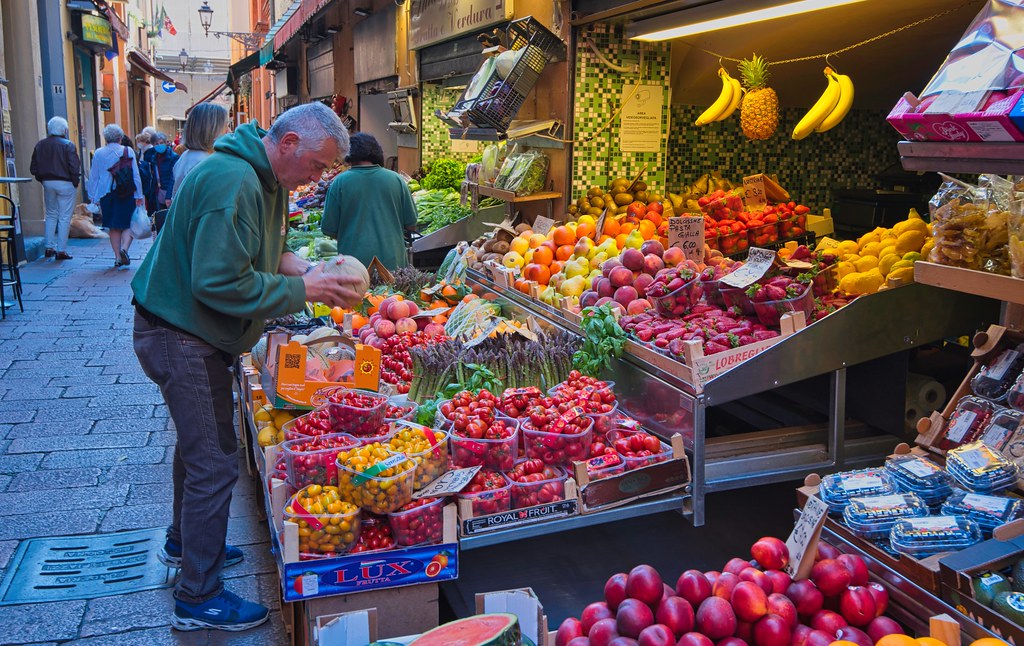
862 282
845 268
866 263
910 241
886 262
871 249
847 247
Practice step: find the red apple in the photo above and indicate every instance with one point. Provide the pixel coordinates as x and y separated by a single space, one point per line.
570 629
828 621
712 576
772 630
615 590
807 598
623 641
632 617
724 586
749 601
632 259
603 632
800 635
819 638
579 641
735 566
694 587
830 576
826 551
780 605
669 591
770 552
694 639
644 584
780 580
882 626
731 641
881 597
857 567
656 635
652 247
677 614
857 605
855 635
593 613
715 618
758 577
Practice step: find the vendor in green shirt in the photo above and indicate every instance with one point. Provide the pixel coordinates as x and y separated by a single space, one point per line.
368 206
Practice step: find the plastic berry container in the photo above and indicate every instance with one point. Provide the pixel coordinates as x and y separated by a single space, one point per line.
793 226
825 281
1015 396
353 411
419 522
558 388
917 475
605 422
1001 427
978 468
328 525
995 379
966 422
558 449
736 297
380 487
489 501
838 489
427 447
988 511
538 492
921 537
732 243
316 422
384 433
770 312
313 460
498 453
399 410
873 517
679 302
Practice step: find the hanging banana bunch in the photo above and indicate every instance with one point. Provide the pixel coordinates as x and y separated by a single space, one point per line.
726 103
830 108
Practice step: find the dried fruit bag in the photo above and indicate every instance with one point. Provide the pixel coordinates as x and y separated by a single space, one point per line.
969 227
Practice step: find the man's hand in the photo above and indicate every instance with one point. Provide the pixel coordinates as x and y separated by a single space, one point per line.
292 265
331 289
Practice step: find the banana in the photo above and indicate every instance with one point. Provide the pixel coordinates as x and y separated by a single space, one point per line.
824 106
737 96
721 103
844 105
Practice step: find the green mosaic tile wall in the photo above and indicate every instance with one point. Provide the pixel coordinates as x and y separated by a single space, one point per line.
598 92
434 140
848 156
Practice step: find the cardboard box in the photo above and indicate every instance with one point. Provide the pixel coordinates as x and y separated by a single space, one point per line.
284 381
521 602
645 482
995 123
380 613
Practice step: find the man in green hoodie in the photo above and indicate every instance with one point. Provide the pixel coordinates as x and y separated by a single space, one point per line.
219 268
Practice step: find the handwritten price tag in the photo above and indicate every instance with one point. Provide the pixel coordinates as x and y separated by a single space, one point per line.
826 244
753 192
804 537
759 261
542 225
448 483
687 233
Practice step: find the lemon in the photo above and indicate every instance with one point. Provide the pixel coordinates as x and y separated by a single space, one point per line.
871 249
586 219
282 417
866 263
873 236
267 436
844 268
927 248
850 257
847 246
886 262
910 241
262 415
912 256
902 274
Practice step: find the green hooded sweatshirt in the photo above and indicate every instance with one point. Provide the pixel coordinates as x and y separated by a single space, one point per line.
212 270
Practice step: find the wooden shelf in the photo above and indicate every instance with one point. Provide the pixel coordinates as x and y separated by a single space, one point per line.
973 158
970 281
510 196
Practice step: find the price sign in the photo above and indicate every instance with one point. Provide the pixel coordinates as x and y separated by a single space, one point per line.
448 483
759 261
802 542
826 243
687 233
753 192
542 225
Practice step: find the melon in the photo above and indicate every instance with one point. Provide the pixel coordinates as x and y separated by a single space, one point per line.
259 353
343 265
495 629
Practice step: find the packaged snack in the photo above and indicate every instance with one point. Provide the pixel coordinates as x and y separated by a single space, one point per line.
996 379
969 227
1001 427
921 537
873 517
966 422
988 511
839 488
981 469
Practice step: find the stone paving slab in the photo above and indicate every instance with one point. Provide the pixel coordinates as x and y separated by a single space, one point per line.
33 622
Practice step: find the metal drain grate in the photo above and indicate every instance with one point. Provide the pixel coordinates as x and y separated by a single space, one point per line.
62 568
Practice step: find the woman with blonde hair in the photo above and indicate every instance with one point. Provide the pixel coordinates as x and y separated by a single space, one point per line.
205 123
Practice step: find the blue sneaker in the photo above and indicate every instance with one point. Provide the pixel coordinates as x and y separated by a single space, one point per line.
226 611
170 555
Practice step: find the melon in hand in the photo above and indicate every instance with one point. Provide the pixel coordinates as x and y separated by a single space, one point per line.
343 265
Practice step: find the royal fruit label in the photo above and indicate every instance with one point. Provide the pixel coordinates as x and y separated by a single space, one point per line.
370 571
516 517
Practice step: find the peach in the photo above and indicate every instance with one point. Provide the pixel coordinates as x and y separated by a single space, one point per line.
673 256
620 277
632 259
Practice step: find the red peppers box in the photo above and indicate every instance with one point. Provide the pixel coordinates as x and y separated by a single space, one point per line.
473 521
957 117
634 484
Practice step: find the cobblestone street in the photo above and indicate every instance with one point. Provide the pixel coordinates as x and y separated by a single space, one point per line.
87 448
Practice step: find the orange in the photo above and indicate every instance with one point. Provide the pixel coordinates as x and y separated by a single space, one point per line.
398 297
564 252
989 641
358 321
647 229
611 227
584 229
896 640
543 256
626 227
375 300
522 285
842 642
620 240
563 236
338 316
448 291
930 641
555 268
440 318
469 297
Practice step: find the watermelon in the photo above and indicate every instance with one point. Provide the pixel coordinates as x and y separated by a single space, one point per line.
496 629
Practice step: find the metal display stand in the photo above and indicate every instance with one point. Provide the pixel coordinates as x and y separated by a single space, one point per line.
869 328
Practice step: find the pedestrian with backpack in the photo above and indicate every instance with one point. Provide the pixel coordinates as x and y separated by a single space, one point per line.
115 185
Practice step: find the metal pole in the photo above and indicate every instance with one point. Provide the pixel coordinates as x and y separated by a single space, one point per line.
837 417
698 482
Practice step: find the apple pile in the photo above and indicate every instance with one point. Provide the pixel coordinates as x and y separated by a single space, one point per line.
748 603
626 279
394 316
717 329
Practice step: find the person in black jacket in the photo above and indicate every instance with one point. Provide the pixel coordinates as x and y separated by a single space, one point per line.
55 164
162 157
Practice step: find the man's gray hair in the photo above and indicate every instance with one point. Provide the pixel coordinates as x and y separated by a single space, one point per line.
313 122
112 134
57 126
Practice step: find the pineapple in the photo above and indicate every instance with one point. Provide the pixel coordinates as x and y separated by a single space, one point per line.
759 111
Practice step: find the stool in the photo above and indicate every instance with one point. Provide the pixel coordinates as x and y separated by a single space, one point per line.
10 276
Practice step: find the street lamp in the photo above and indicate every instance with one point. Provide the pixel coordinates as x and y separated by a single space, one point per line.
206 16
251 41
183 59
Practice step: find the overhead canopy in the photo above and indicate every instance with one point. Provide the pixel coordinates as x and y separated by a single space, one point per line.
267 51
242 67
141 62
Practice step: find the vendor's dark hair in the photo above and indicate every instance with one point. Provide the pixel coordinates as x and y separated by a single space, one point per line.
363 147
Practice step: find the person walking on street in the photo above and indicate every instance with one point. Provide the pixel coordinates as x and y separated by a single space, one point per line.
368 207
205 123
110 187
216 272
56 165
162 158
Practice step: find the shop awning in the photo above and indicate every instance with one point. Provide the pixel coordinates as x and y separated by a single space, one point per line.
212 95
242 67
267 51
142 62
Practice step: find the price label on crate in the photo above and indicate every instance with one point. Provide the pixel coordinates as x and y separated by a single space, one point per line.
447 484
759 261
542 225
687 233
827 244
753 192
803 541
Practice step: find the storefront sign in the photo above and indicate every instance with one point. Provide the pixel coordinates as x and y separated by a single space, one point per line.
641 127
687 233
104 104
96 30
434 21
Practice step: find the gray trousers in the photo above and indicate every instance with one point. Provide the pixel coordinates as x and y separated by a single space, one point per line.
59 198
195 380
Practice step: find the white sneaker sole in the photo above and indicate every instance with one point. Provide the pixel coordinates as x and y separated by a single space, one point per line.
185 625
